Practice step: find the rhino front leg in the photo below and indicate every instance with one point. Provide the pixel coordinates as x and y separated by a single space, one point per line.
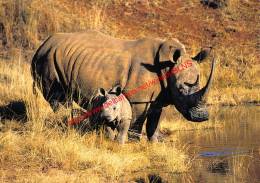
123 128
153 124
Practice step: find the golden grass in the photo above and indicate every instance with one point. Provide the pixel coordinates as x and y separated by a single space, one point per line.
234 96
233 169
180 125
170 126
26 23
240 167
71 154
43 149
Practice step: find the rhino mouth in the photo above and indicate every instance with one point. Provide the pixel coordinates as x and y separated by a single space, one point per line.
108 118
197 114
193 107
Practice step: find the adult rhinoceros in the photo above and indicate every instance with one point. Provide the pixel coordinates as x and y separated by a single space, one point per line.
71 66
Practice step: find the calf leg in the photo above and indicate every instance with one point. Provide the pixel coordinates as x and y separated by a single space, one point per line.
122 130
110 133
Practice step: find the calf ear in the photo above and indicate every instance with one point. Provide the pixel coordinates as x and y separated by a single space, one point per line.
202 55
102 92
117 90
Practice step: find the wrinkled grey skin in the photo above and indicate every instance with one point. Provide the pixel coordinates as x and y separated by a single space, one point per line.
116 112
71 66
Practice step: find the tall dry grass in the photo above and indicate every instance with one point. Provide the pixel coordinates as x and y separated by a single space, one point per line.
24 24
42 148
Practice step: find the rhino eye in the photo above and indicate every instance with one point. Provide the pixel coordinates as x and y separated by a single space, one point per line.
193 84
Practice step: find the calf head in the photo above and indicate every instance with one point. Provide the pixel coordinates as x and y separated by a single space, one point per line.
111 107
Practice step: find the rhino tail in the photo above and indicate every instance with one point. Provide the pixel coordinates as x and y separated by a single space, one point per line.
34 89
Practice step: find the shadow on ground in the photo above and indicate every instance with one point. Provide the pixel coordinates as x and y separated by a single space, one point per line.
15 110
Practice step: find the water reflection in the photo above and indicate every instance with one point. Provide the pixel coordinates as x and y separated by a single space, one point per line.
221 167
226 154
151 178
231 153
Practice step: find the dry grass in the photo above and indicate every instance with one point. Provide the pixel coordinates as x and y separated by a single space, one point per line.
24 24
233 169
179 125
43 149
170 125
240 167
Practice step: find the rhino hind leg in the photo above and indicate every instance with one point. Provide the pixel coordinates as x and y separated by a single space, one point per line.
56 96
135 131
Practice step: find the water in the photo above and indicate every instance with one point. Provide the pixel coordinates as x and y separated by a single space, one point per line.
228 154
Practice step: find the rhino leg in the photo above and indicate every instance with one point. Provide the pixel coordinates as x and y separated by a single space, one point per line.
122 130
135 132
56 96
153 124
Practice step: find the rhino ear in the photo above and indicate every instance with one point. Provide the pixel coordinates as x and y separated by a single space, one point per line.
176 55
165 53
102 92
171 51
202 55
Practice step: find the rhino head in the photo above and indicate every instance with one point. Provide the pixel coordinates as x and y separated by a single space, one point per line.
183 84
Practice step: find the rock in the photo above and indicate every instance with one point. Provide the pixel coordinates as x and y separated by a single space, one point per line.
143 2
215 3
230 29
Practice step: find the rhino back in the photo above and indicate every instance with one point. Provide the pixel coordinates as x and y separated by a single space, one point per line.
90 60
101 68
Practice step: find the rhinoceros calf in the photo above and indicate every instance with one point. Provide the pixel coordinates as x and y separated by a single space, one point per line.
116 112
